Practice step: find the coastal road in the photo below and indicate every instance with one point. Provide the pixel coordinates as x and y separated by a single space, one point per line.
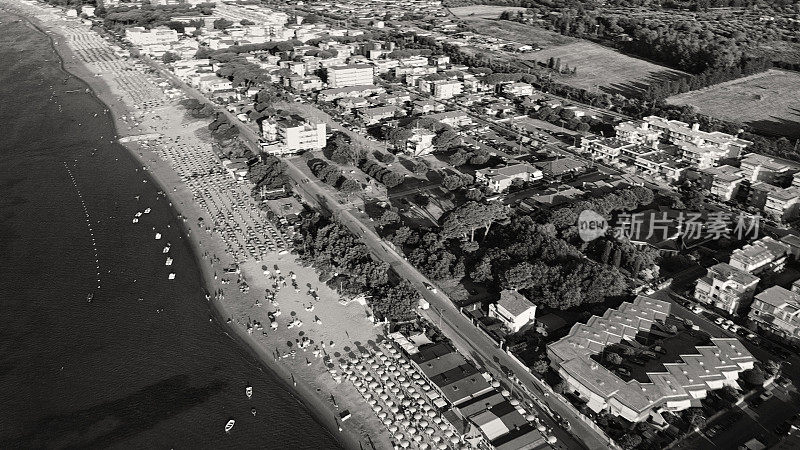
466 336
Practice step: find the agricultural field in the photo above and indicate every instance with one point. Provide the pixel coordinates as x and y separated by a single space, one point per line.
482 11
517 32
603 69
769 102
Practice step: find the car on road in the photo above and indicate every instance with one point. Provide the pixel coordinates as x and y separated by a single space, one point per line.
697 310
429 287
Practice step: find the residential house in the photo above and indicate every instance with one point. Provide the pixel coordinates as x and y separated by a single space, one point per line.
782 204
723 182
763 168
726 287
371 116
518 89
420 143
455 119
500 179
561 166
513 309
638 132
778 311
765 254
604 149
456 379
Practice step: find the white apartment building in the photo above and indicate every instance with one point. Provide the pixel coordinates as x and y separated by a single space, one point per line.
140 36
604 149
446 89
638 132
777 310
700 148
292 134
782 205
726 287
723 182
760 256
763 168
518 89
352 75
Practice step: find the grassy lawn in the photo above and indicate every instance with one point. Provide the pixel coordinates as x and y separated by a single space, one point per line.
769 102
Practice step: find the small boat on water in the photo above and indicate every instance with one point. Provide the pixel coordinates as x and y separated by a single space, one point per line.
249 391
229 425
253 411
166 249
147 211
90 297
172 276
158 236
139 214
169 262
135 220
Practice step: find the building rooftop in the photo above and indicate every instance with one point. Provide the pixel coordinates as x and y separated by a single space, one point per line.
693 370
766 162
780 298
514 302
763 250
508 171
786 194
724 271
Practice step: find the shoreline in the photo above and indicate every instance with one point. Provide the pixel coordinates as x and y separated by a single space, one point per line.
183 205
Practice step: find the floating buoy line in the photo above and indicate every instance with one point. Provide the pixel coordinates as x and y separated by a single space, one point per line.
88 222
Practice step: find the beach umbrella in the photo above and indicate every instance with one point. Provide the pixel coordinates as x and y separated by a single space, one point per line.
429 431
420 401
415 395
386 421
454 440
423 423
426 388
405 423
417 416
412 430
400 417
448 432
405 384
384 377
530 417
426 407
395 390
551 440
415 376
384 397
424 446
377 408
405 402
393 428
392 367
505 393
368 395
404 444
417 438
375 366
401 378
373 385
362 389
437 420
514 402
412 409
372 401
396 373
357 383
395 409
390 383
432 413
495 384
442 446
541 428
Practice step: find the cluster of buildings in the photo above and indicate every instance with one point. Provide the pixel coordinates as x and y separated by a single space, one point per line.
472 402
674 151
677 380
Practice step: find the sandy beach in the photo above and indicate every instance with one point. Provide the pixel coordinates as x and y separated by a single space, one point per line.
323 332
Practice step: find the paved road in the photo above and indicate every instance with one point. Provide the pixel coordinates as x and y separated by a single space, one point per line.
467 338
